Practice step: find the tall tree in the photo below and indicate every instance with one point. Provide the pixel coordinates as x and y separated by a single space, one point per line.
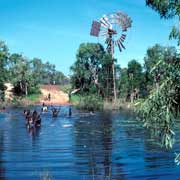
87 66
153 56
168 9
131 79
20 73
4 54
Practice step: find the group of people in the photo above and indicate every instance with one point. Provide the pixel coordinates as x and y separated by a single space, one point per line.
33 119
55 111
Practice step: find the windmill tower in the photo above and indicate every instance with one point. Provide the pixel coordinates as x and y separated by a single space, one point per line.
112 28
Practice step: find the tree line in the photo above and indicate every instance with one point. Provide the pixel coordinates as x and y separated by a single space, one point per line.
92 72
26 74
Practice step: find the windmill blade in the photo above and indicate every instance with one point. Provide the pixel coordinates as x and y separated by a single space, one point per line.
122 45
103 23
124 30
113 18
119 46
123 36
121 39
104 34
106 20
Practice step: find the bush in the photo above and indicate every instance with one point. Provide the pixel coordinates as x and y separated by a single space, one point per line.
90 103
34 90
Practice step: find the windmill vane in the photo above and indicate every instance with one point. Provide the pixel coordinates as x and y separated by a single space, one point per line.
112 28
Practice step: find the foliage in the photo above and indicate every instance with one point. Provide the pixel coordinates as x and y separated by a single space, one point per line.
106 75
85 69
33 97
168 9
75 99
4 53
66 88
154 55
159 109
26 75
130 78
92 71
90 103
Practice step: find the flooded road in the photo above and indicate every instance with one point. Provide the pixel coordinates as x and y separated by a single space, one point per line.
83 147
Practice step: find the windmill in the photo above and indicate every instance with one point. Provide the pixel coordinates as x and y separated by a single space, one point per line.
112 28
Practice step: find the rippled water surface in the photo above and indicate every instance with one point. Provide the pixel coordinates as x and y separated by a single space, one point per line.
83 147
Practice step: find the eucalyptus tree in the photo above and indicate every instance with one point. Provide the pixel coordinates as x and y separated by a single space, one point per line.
168 9
87 66
153 56
19 71
158 111
131 79
4 54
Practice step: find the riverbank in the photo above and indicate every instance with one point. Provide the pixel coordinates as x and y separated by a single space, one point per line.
59 97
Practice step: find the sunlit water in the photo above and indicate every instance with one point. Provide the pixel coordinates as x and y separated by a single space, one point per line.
83 147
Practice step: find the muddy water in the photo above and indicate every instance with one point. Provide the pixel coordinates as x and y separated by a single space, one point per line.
83 147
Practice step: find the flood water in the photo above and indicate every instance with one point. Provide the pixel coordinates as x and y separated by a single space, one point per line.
83 147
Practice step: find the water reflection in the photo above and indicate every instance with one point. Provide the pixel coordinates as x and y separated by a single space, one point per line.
83 147
2 169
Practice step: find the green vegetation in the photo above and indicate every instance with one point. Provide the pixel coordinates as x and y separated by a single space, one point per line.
92 74
25 74
33 97
168 9
66 88
75 99
90 103
153 87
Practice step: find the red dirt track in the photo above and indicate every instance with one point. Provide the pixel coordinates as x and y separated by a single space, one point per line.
58 97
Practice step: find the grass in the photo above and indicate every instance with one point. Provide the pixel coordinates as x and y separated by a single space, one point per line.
26 100
89 102
75 99
65 88
33 97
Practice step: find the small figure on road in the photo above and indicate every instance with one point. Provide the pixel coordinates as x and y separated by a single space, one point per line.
49 97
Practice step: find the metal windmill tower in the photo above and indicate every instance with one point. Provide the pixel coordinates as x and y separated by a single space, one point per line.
112 28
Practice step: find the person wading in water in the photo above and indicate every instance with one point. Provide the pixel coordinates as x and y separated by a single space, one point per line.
55 111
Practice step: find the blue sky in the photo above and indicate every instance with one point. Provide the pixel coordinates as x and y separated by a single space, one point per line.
53 29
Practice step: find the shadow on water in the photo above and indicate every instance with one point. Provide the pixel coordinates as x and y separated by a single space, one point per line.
100 146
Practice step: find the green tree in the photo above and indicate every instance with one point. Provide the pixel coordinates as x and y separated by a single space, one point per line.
153 56
131 79
168 9
106 76
20 73
87 66
4 54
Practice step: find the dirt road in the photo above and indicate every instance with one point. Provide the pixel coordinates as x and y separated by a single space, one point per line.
58 97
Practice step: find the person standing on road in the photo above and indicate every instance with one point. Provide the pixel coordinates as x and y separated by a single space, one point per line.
49 97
